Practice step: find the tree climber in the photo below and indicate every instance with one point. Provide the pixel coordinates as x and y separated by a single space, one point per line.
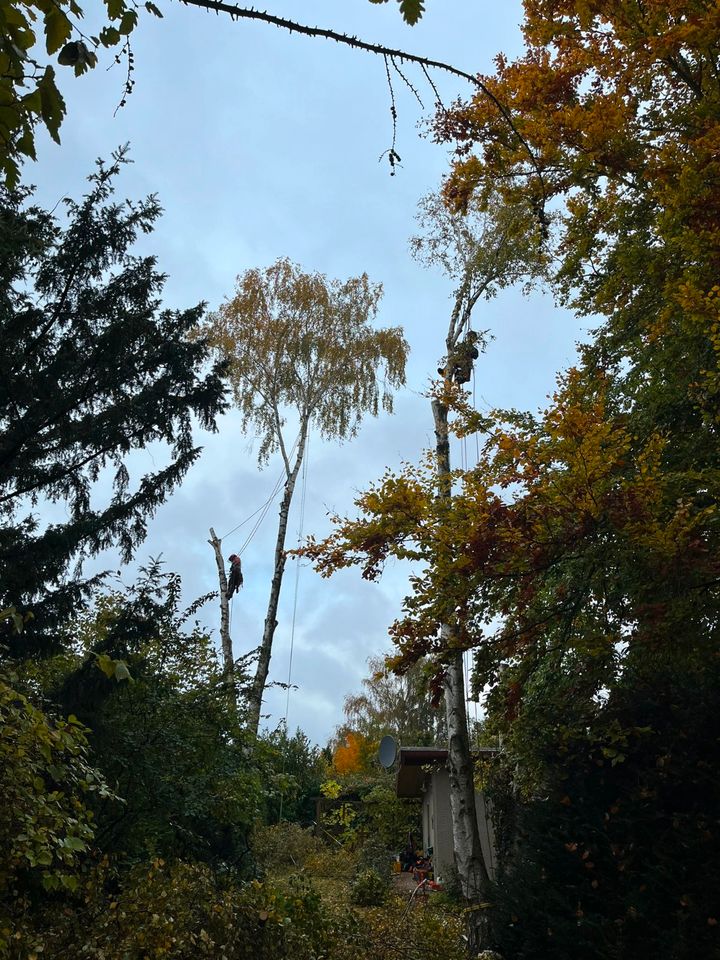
235 580
460 362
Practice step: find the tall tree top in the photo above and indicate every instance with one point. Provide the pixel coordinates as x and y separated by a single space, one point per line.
298 341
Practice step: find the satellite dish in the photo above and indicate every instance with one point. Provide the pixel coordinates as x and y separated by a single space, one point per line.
387 752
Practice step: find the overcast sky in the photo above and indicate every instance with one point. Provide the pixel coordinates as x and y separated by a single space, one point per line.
261 144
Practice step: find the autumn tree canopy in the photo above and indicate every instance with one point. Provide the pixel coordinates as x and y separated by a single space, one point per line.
392 704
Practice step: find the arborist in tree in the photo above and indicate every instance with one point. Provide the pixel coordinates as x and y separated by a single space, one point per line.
235 580
463 357
460 361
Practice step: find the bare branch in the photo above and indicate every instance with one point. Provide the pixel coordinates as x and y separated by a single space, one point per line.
248 13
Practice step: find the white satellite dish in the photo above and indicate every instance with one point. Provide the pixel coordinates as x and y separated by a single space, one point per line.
387 752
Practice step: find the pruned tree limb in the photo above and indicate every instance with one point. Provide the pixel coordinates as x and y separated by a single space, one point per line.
225 639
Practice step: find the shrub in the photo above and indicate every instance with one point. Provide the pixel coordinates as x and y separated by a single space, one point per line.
369 889
283 845
334 864
390 818
181 911
374 855
45 826
390 932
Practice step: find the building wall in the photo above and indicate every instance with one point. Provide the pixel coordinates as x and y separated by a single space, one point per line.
437 826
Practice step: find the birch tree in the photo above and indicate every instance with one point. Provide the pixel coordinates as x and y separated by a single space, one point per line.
412 515
482 253
302 355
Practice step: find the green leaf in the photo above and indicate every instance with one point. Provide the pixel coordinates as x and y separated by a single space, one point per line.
69 54
10 613
109 36
115 8
106 664
156 12
52 104
58 28
11 170
74 843
12 16
412 10
128 22
32 102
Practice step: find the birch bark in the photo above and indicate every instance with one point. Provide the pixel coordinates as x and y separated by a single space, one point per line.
265 650
469 860
225 638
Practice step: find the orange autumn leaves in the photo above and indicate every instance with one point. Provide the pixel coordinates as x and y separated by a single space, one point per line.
354 754
537 534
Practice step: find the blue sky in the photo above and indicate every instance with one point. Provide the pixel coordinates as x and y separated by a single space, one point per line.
261 144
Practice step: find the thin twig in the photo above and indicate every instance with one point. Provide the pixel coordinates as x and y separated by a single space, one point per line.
434 89
292 26
392 154
410 87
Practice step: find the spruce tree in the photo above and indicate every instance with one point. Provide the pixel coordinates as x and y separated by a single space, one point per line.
91 368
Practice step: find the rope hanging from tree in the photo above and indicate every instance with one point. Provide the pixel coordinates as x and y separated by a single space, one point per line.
298 564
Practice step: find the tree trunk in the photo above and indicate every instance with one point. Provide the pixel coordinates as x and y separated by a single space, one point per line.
225 638
263 665
472 871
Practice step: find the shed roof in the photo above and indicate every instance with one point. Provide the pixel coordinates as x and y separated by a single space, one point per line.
416 762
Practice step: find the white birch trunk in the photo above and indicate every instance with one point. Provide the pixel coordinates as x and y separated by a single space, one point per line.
263 665
225 638
469 860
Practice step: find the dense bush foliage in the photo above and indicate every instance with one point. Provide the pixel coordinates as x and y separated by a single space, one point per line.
183 911
374 855
187 784
615 848
298 770
369 889
284 845
390 819
45 823
337 863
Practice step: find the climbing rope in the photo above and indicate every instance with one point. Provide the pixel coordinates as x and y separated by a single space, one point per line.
301 528
298 565
264 507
